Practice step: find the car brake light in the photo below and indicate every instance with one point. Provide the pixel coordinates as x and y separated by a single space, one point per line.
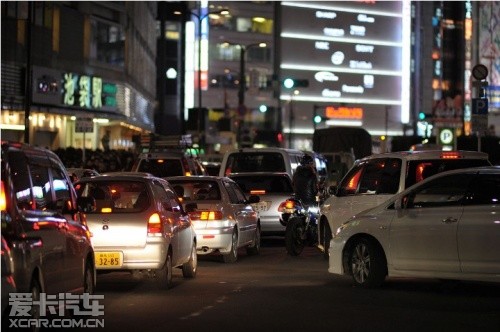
257 192
286 205
3 200
154 225
450 155
205 215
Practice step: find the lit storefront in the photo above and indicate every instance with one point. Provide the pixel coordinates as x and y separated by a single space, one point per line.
61 99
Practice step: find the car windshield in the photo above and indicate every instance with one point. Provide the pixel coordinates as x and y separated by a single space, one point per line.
196 190
161 167
268 184
116 196
255 162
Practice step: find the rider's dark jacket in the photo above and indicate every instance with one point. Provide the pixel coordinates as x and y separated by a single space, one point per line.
305 184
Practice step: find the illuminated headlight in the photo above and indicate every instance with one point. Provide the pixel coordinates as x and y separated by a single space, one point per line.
314 209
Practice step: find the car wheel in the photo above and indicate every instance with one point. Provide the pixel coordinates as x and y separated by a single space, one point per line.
35 290
327 236
254 249
163 276
189 269
88 279
232 255
368 264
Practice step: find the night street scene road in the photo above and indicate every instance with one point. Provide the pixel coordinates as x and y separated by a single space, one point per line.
156 157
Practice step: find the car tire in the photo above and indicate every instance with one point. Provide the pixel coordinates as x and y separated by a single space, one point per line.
232 255
189 268
163 276
325 238
35 290
254 249
88 279
367 263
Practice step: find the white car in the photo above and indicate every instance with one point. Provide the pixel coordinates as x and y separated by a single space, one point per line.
223 217
376 178
446 227
138 225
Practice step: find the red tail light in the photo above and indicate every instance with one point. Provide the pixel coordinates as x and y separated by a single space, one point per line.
3 200
288 205
450 155
154 225
206 215
257 192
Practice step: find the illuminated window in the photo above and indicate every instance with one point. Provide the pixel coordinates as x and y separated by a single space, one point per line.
107 42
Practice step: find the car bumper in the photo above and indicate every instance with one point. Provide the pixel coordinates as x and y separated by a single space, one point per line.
271 224
151 256
210 239
335 265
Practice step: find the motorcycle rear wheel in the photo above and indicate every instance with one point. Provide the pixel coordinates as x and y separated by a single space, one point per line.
294 241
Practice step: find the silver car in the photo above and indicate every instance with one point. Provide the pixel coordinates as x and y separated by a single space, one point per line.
273 189
223 217
139 225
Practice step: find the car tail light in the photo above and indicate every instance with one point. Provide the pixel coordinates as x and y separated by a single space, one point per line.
257 192
205 215
286 205
106 210
154 225
3 200
451 155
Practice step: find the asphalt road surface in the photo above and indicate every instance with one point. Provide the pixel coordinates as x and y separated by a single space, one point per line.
277 292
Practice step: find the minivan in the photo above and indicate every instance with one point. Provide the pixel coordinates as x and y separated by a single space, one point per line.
43 224
376 178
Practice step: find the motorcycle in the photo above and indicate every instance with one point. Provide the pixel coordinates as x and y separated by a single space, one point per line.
301 225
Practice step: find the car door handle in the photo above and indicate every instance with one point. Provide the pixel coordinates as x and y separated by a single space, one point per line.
449 220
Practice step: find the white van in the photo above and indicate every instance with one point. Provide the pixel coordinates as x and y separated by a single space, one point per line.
267 160
376 178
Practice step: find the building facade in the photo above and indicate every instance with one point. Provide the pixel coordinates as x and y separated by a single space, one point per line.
74 71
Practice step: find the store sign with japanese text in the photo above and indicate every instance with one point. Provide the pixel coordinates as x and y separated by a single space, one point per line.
69 89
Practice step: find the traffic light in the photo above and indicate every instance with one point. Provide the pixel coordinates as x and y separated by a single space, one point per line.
317 119
290 83
424 116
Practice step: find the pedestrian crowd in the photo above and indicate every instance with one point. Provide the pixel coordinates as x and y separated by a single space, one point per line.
99 160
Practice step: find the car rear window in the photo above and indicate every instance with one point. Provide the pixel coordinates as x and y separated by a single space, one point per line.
268 184
421 169
116 196
196 190
161 167
255 162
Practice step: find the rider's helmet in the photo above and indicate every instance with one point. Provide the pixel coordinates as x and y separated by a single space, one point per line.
306 160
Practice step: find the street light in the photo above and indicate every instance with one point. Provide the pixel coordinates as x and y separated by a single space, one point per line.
242 87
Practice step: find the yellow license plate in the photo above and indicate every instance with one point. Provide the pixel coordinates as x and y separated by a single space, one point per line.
108 259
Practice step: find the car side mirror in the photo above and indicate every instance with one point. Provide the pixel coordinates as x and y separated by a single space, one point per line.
253 199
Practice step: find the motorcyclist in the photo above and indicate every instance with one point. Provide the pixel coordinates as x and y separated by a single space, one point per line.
305 181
